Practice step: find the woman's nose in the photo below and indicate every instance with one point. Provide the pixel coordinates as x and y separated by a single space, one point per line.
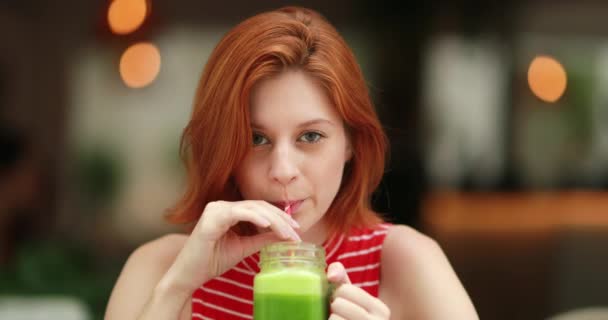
283 167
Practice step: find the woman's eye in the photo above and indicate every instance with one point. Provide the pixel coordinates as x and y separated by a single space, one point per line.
311 137
259 139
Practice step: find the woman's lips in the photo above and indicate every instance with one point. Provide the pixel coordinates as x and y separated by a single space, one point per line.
290 207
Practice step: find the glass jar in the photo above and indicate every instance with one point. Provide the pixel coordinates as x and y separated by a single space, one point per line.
292 283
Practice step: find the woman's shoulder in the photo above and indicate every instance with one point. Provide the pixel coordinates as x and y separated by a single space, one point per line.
415 269
151 260
140 274
161 251
153 257
406 246
406 242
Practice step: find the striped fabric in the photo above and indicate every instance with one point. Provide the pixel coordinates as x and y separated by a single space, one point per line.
230 296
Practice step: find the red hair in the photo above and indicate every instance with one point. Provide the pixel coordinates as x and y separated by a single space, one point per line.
218 135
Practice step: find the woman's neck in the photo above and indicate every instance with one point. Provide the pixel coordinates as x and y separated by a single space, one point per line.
317 234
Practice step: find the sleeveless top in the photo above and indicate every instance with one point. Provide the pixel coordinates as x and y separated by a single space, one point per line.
230 295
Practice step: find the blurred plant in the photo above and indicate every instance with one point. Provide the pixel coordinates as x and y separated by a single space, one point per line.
579 96
99 175
61 267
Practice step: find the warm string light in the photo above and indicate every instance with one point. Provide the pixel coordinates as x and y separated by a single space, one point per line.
547 78
139 63
126 16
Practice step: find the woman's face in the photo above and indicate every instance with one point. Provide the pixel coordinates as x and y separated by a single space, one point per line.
299 150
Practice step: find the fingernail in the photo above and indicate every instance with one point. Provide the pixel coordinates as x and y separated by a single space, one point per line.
297 237
285 234
265 223
294 223
332 273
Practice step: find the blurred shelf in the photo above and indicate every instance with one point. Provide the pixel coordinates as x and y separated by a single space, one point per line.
461 212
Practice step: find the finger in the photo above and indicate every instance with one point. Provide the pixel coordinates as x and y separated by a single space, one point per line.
276 217
274 223
254 243
348 310
362 298
334 316
220 216
243 214
337 274
293 223
273 211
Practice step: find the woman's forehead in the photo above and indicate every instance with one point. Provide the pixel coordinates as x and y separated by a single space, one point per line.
291 96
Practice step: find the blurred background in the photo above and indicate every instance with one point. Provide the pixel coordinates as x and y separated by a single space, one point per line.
496 112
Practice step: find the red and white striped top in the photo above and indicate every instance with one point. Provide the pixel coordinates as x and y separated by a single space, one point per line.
230 296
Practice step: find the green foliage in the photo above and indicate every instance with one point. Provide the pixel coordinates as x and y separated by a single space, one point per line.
99 174
60 268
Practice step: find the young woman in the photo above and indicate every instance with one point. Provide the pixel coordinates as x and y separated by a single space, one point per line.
282 119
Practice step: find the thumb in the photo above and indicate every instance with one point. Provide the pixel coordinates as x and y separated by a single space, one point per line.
255 243
337 274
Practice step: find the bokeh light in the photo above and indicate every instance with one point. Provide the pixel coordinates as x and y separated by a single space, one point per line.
547 78
125 16
140 64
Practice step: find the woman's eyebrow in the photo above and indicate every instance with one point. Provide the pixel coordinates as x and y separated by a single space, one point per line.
315 121
303 124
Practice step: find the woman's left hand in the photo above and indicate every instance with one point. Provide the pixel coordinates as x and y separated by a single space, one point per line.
351 302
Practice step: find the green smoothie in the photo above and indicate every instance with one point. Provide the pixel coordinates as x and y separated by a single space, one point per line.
293 290
294 307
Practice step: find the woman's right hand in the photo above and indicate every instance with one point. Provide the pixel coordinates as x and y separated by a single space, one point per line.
212 248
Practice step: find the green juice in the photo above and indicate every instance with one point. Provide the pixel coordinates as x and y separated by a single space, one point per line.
285 306
290 291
